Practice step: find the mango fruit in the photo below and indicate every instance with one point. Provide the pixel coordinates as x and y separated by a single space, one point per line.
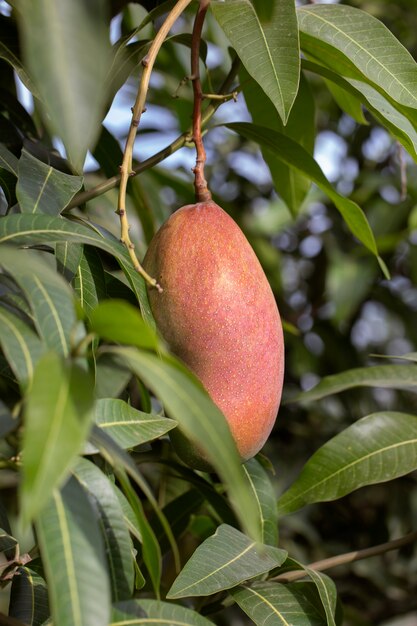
219 316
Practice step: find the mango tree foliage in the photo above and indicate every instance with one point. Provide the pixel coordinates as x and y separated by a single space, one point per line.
309 119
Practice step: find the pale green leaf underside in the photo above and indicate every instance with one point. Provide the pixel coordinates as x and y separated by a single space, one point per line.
222 561
270 53
277 604
128 426
377 448
367 44
381 108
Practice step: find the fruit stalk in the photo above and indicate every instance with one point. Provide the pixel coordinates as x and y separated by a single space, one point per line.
202 192
138 108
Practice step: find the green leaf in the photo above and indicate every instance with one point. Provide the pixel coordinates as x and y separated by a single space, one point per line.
186 401
348 102
111 378
123 463
43 189
68 257
72 552
66 48
136 612
222 561
8 55
288 181
21 346
295 156
375 449
346 39
397 123
264 496
128 426
327 592
89 282
388 376
128 513
50 297
8 161
118 546
117 320
274 604
58 414
36 229
269 52
29 598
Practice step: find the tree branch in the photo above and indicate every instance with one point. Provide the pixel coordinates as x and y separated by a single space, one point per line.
202 193
138 108
348 557
85 196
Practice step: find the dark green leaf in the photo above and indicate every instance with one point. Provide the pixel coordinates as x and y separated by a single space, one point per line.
137 612
68 257
118 546
43 189
8 423
222 561
35 229
89 282
8 161
376 448
72 551
289 182
29 598
58 414
269 52
50 298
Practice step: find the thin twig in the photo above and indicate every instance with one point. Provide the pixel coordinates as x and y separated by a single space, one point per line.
126 168
202 192
349 557
85 196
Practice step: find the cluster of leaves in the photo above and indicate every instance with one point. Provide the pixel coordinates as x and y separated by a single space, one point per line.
99 517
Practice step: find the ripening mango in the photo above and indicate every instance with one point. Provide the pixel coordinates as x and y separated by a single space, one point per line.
218 314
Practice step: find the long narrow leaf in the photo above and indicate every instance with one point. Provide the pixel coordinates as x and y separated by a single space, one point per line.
270 51
375 449
292 153
73 555
58 414
388 376
186 401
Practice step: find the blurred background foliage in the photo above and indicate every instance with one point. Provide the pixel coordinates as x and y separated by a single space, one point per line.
339 310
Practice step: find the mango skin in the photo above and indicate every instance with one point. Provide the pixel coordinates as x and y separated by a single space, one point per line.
218 314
